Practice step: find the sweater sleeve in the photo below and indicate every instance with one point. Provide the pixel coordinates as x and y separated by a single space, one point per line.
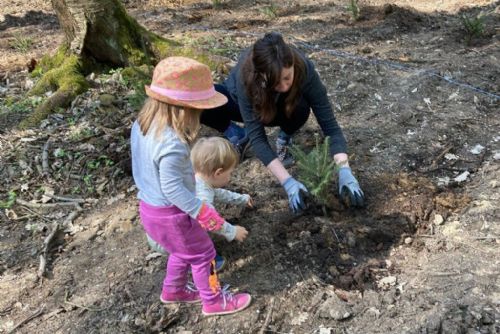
230 197
171 182
316 95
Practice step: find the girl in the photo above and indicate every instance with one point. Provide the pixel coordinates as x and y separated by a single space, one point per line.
274 84
170 213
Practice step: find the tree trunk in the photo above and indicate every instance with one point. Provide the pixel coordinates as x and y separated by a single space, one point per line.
101 30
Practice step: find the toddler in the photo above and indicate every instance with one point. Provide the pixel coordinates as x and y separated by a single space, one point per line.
214 159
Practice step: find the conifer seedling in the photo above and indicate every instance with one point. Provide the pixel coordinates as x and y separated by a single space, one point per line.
316 170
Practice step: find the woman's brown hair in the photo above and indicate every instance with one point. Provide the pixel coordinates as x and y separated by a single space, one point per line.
156 116
261 73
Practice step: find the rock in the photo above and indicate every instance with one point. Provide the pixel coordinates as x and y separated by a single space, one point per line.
438 219
323 330
345 257
408 240
462 177
387 281
334 308
477 149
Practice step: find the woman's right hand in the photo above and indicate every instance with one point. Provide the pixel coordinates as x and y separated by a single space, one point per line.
296 192
209 218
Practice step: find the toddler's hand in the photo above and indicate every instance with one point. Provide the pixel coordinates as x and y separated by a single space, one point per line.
250 202
241 233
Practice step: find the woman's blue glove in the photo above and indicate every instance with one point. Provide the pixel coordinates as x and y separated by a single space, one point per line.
296 192
349 189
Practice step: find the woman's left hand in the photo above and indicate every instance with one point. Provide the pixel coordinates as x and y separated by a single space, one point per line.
349 189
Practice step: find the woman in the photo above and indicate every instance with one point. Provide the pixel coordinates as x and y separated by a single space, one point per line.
273 84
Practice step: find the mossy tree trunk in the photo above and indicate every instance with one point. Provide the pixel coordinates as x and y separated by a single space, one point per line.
99 34
101 30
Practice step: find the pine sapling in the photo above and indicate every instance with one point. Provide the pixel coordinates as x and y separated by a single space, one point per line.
316 170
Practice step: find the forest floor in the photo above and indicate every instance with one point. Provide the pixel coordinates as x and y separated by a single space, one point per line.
419 106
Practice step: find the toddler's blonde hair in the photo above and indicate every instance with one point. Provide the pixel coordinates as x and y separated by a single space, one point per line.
212 153
157 115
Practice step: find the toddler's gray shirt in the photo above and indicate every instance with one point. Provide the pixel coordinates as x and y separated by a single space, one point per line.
210 195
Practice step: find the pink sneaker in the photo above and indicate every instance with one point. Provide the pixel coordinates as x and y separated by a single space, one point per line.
227 303
188 295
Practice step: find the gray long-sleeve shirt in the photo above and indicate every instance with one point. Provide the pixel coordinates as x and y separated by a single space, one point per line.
162 170
211 195
313 91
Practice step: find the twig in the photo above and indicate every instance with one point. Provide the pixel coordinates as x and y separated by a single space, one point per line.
485 238
335 233
268 317
44 205
445 273
91 309
45 158
434 163
46 243
36 214
66 199
38 313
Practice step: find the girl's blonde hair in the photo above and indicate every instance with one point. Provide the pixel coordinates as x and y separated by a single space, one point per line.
210 154
156 116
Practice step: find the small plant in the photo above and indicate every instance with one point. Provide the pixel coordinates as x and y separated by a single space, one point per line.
135 78
354 9
217 4
316 170
21 44
11 199
26 105
270 11
473 26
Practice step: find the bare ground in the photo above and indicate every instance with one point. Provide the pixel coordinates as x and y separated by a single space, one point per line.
414 101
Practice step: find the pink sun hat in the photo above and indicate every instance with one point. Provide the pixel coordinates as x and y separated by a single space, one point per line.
184 82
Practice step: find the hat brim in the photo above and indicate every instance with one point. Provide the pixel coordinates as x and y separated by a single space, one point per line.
215 101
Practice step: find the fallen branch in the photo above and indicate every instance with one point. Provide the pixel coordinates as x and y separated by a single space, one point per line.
485 238
66 199
38 313
48 240
44 205
268 317
45 251
45 158
92 309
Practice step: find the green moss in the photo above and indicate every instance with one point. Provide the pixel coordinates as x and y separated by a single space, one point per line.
137 73
50 61
64 77
133 38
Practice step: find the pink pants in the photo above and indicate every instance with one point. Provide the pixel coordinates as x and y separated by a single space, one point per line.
188 245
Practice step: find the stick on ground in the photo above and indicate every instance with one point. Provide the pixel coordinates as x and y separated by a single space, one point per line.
268 317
